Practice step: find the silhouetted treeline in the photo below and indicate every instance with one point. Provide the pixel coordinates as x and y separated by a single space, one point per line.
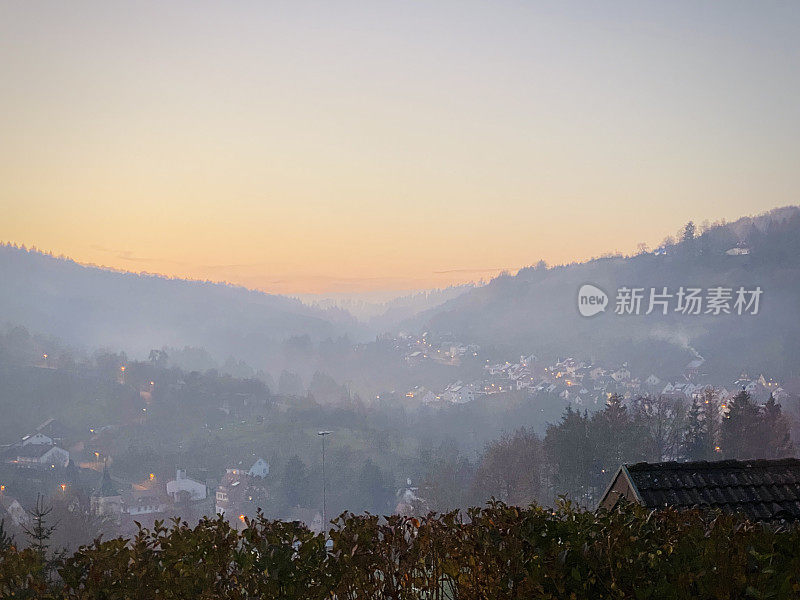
579 455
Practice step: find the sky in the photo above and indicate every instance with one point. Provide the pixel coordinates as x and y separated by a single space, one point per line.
341 147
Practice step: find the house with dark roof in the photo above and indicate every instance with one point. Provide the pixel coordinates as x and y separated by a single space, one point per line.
37 455
763 490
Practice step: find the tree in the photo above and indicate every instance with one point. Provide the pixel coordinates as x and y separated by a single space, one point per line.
688 240
695 445
740 428
448 483
512 469
775 437
373 489
569 451
616 439
664 418
6 539
294 483
701 437
39 533
688 232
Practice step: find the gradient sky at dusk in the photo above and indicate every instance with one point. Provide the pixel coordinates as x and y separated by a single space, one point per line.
352 146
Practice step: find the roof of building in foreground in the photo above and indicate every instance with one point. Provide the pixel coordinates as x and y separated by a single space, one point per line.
764 490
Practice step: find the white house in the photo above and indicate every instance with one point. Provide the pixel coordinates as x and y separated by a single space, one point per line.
458 393
37 439
260 468
183 488
38 456
143 503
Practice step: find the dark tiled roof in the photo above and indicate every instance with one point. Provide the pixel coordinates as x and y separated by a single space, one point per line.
30 451
764 490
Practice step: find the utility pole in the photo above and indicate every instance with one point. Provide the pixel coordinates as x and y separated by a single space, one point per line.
323 434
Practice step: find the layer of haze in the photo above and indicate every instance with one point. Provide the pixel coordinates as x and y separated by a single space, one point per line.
304 147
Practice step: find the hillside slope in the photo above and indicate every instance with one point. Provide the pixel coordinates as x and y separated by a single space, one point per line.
99 307
536 310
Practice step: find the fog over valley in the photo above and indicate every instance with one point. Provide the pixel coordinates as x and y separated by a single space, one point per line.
391 300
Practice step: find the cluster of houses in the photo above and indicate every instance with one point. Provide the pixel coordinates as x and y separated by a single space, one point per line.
585 384
36 451
419 349
235 495
241 492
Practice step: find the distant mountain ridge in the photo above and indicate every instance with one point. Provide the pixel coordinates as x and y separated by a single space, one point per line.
93 306
535 311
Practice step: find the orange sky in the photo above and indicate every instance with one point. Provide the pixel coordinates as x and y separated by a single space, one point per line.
303 147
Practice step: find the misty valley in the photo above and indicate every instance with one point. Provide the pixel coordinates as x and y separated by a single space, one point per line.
399 300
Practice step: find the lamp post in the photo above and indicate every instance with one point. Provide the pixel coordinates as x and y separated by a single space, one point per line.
323 434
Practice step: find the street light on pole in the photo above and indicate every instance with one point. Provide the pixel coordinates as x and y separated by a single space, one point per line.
323 434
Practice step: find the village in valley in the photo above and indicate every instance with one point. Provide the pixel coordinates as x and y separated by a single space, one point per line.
238 494
579 383
58 457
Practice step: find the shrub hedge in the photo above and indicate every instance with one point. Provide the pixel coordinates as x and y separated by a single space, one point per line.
493 553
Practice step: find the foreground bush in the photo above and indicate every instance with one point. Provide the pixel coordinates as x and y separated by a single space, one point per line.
493 553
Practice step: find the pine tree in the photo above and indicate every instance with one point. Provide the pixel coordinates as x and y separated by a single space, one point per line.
688 232
740 428
695 442
775 437
615 439
39 533
570 453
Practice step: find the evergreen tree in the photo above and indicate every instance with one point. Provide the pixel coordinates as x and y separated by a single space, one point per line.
695 444
740 429
39 533
568 448
775 438
688 240
616 439
688 232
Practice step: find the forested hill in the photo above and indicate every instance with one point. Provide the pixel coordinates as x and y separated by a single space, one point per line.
536 311
99 307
